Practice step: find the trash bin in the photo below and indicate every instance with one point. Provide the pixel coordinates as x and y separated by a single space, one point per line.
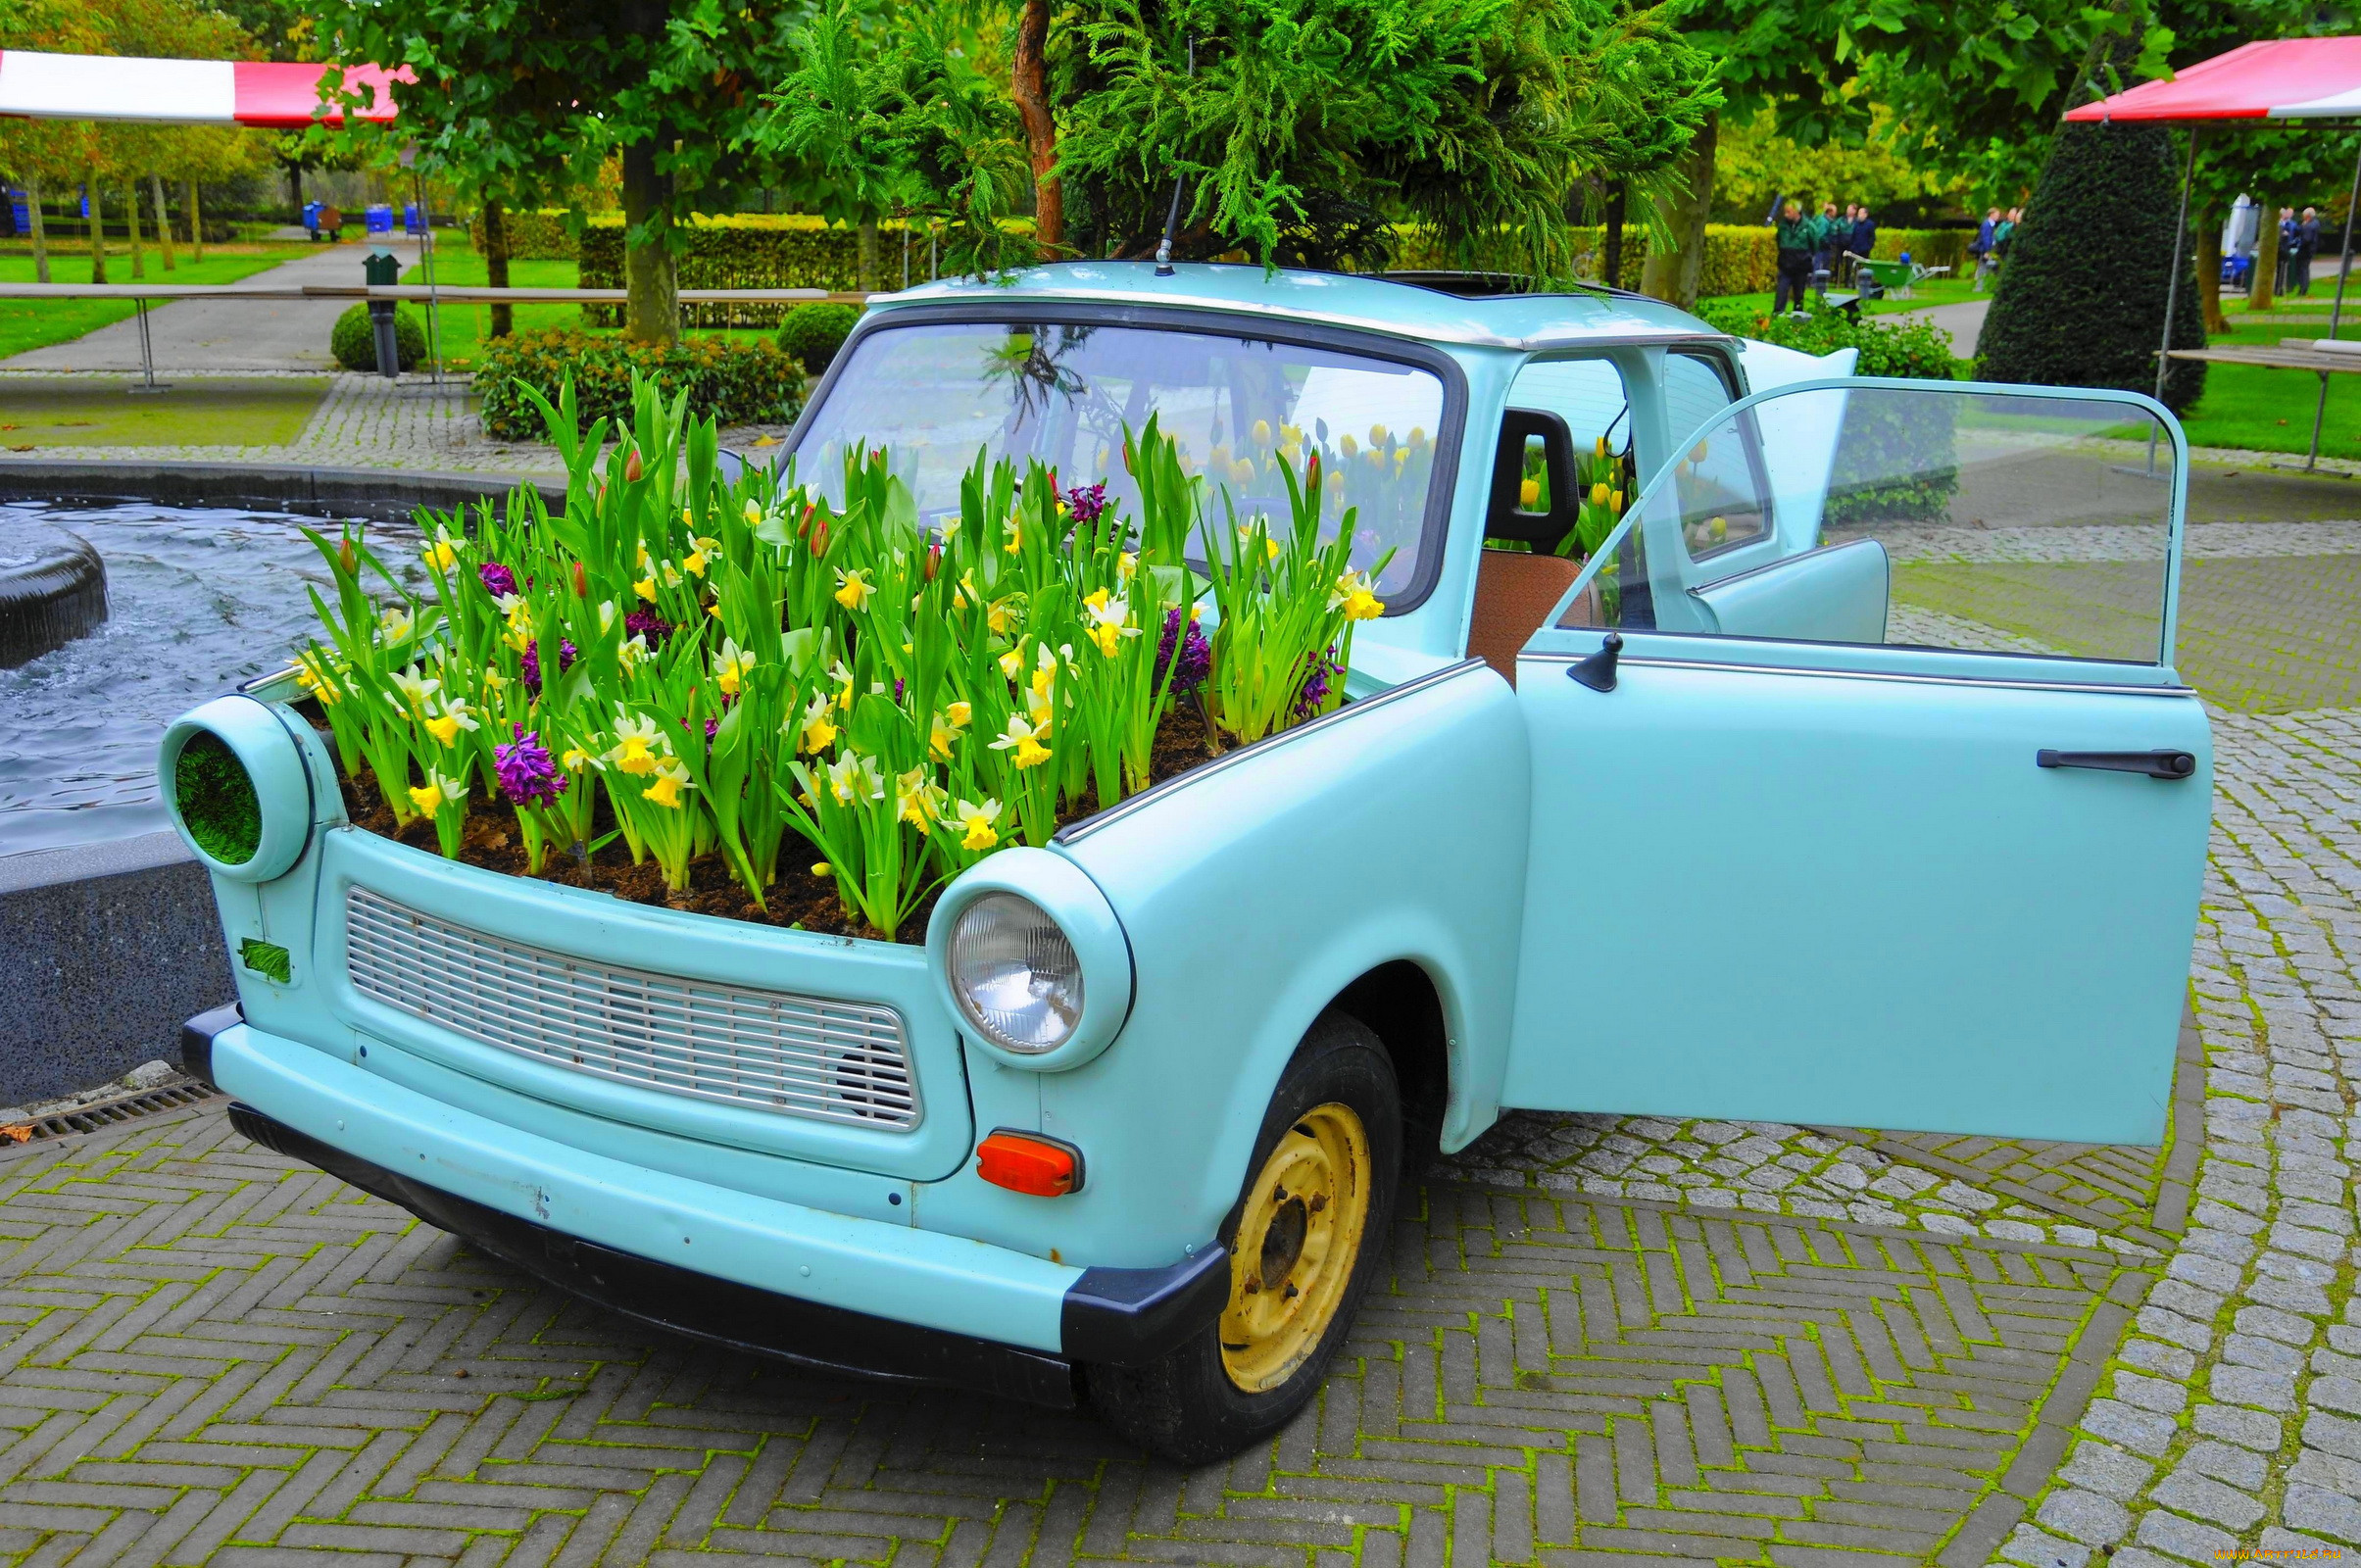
413 223
378 219
311 218
383 269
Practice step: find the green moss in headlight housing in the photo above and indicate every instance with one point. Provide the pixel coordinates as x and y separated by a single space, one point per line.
217 800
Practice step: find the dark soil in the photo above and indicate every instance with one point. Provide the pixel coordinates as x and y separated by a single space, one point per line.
798 900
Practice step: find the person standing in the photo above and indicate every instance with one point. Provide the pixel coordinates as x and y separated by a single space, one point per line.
2286 249
2307 246
1982 248
1796 238
1864 237
1828 240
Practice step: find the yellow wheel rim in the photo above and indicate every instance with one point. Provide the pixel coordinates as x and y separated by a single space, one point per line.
1297 1239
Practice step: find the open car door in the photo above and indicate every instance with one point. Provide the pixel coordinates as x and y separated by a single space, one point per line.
1887 808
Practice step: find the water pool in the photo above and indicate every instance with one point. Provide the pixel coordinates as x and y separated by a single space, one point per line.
200 599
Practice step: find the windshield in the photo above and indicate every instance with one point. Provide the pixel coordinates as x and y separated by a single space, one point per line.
932 393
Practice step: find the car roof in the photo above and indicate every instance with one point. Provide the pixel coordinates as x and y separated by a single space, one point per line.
1530 322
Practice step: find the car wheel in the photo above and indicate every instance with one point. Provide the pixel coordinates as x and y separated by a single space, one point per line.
1304 1239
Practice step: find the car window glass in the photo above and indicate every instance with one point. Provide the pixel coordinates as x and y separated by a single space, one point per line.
1587 395
1922 516
1240 407
1693 392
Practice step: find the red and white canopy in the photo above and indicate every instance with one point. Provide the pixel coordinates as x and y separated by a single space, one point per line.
227 92
2282 79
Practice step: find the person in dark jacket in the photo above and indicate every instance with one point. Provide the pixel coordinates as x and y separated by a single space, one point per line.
1864 234
2307 246
1982 248
1797 238
1829 242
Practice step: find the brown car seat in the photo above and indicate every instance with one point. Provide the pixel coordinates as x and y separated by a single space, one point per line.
1514 594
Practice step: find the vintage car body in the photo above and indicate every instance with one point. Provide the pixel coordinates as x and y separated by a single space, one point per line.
1762 876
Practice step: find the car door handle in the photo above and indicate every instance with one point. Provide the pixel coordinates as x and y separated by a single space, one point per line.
2166 765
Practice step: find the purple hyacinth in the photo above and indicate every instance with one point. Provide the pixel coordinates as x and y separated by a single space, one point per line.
1324 669
1087 503
567 652
648 624
528 775
1196 654
498 580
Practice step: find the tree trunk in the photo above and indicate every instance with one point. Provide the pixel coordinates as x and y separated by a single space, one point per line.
98 230
654 313
295 185
164 221
866 247
196 220
131 207
2265 256
1674 275
496 266
40 231
1612 251
2209 270
1029 85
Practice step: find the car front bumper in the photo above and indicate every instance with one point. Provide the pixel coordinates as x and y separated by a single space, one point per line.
757 1274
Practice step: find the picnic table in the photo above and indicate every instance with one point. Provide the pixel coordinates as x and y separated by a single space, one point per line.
2321 355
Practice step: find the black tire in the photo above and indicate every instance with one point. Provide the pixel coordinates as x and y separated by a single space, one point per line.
1185 1406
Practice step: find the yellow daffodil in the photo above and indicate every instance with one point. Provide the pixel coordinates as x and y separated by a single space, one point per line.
1106 623
1016 539
961 715
639 746
514 610
1012 663
1289 434
495 681
437 792
704 551
854 778
575 760
820 728
313 678
731 667
843 684
853 588
1039 709
642 553
753 513
605 613
670 779
446 725
441 553
1000 618
395 625
645 588
633 650
980 822
1045 667
425 796
1024 740
416 686
918 801
1127 566
944 733
1356 597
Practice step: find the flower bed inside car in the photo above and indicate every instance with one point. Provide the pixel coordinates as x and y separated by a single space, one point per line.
779 701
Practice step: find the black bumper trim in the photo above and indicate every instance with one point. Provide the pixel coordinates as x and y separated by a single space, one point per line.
664 1296
1130 1315
197 1037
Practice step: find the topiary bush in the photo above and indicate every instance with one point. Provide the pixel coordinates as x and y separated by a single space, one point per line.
2081 301
735 381
1914 349
354 339
812 334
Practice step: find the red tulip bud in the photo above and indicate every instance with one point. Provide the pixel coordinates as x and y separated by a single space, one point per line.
820 537
803 524
934 561
632 468
347 556
581 581
1311 473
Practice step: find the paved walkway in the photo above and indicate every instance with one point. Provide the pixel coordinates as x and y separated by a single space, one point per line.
215 335
1963 321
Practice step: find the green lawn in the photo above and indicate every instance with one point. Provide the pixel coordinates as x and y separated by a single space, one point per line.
2259 409
463 326
37 413
1933 291
37 323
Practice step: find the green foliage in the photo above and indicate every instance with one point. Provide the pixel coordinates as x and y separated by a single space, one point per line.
812 334
730 381
1912 349
534 236
1752 162
2081 302
898 119
354 339
751 252
1468 118
217 800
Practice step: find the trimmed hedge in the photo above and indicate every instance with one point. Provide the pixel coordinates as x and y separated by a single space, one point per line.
533 236
2080 300
812 334
733 381
354 339
1913 349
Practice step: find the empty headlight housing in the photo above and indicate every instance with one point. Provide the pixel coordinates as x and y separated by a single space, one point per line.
1032 961
1015 974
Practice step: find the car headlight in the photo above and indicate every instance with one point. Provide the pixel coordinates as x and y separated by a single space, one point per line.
238 789
1015 974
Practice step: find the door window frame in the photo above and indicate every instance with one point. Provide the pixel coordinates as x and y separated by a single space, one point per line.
1558 643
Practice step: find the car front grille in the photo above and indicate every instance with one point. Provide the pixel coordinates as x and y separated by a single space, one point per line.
832 1061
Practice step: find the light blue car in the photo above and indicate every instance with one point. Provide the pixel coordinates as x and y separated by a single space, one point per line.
1847 780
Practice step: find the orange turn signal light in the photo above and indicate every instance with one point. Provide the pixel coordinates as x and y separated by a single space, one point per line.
1028 1163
